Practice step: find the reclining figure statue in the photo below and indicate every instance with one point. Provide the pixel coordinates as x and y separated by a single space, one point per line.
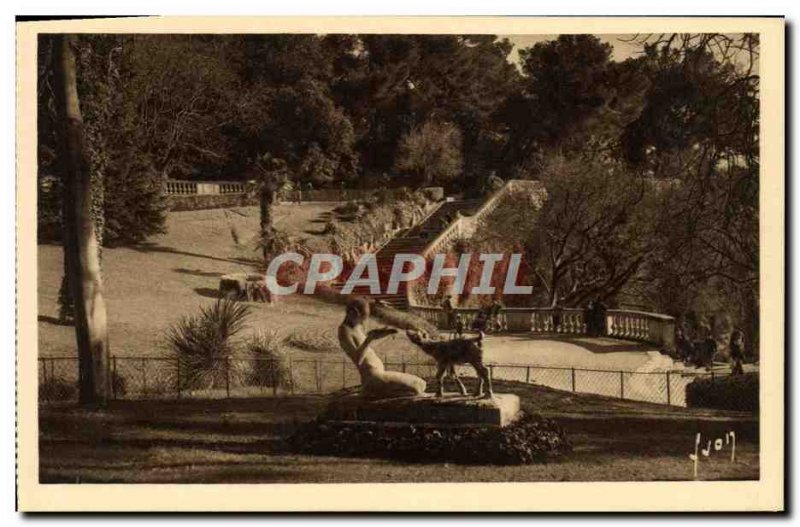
376 382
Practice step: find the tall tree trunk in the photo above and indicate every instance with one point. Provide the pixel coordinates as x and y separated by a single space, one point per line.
81 248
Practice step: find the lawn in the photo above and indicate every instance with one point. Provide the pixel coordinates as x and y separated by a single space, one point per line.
241 441
149 287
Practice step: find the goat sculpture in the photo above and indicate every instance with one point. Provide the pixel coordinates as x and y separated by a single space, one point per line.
449 353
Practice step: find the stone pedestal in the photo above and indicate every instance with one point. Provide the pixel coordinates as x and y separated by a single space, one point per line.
450 410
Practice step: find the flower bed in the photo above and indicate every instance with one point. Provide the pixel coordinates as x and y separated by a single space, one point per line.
530 439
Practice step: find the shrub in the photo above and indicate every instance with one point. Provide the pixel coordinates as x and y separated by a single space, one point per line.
63 390
732 392
58 390
530 439
351 208
270 362
119 385
204 344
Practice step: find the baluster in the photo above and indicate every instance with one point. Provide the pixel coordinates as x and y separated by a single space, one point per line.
612 326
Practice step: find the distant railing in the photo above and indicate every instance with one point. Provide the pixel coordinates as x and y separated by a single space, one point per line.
162 377
175 187
179 187
641 326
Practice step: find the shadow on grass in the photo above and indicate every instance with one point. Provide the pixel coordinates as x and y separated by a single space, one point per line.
197 272
242 440
53 320
597 345
208 292
154 248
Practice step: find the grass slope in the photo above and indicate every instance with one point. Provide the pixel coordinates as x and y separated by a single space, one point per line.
149 287
240 441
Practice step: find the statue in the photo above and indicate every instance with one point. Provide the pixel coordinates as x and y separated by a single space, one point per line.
376 382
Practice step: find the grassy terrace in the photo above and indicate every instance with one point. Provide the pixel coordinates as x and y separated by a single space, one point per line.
240 441
148 288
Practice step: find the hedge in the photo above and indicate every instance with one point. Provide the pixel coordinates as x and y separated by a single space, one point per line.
731 392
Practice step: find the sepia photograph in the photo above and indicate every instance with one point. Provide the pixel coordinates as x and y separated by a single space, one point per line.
327 254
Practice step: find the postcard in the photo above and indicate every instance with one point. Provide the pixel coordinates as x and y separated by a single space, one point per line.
400 264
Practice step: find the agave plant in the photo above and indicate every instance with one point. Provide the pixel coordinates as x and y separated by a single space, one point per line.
204 344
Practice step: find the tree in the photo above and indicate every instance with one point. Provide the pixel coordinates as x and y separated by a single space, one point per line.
271 173
127 188
595 230
699 130
81 246
431 152
389 84
573 96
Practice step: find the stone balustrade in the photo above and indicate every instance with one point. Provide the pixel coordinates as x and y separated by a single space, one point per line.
181 187
178 187
653 328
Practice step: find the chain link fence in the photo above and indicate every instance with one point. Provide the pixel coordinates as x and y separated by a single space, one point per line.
167 377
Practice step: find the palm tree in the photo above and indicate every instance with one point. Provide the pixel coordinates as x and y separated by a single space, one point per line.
271 173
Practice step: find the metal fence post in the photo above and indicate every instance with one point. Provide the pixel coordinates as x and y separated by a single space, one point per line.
178 376
573 379
144 376
669 398
317 376
228 377
114 377
528 375
344 375
404 364
491 371
291 376
621 384
272 369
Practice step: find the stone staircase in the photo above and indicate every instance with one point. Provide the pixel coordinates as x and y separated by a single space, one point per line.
452 219
414 241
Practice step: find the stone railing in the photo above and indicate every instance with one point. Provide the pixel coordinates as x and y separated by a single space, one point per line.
641 326
465 226
178 187
181 187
